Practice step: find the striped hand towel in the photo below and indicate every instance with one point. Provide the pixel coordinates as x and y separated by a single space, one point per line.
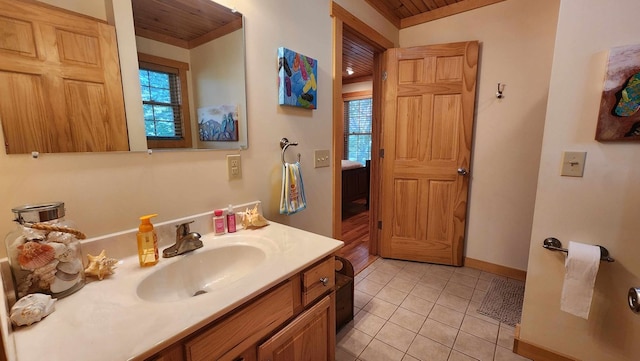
292 198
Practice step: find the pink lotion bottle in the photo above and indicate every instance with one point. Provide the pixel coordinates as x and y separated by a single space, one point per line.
218 222
231 220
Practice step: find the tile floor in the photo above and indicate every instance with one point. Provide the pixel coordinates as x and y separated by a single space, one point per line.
406 311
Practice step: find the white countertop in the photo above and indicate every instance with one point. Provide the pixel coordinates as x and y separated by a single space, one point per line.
106 320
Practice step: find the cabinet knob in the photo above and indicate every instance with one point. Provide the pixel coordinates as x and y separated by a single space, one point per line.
634 299
324 281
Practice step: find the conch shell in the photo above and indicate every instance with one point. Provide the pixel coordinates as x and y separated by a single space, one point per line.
31 308
100 265
253 219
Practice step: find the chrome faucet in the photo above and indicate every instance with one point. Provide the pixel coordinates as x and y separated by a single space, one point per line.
186 241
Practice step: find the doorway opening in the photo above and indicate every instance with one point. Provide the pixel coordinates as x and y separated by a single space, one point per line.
357 130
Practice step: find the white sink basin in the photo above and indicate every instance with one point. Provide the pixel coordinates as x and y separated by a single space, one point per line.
200 272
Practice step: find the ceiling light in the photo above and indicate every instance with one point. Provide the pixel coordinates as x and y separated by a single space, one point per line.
349 71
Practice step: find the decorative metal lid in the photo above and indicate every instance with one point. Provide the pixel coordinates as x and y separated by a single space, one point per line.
43 212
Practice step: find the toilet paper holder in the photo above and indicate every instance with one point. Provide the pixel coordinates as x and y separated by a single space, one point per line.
554 244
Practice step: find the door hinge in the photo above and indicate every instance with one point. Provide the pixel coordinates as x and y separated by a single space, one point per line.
384 75
381 153
379 224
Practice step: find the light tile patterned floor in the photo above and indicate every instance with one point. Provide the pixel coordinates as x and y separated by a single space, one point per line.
406 311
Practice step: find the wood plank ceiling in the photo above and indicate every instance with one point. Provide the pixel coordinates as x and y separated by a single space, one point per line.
357 55
183 23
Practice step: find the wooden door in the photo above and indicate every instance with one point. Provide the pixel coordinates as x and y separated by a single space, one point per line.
428 111
310 337
60 85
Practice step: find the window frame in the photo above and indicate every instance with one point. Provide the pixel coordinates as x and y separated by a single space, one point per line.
152 62
356 95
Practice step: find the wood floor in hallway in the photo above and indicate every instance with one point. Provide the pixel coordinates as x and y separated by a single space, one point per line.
355 235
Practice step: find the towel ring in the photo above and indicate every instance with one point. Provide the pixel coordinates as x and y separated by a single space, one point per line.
284 144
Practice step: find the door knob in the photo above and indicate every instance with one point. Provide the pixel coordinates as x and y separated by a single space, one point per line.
462 171
634 299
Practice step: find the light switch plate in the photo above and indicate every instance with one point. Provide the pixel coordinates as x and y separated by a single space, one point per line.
321 158
573 164
234 166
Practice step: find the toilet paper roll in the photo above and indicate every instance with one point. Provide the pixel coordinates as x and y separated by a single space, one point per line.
581 266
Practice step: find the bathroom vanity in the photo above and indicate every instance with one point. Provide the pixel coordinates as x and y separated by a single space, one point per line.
306 327
264 294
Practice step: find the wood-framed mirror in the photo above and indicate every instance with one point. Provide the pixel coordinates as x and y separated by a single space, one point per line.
200 38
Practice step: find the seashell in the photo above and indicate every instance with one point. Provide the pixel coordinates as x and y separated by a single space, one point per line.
72 267
31 308
32 255
59 248
45 274
23 287
70 253
48 268
34 234
61 237
253 219
59 285
100 265
65 276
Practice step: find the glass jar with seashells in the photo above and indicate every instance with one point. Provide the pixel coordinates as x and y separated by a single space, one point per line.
44 251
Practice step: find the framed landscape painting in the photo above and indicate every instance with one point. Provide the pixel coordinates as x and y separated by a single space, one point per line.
619 118
297 84
218 123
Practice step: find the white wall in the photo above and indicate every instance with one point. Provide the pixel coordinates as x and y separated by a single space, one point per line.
516 48
600 208
107 192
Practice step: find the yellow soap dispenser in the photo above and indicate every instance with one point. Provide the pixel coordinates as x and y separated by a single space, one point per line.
147 242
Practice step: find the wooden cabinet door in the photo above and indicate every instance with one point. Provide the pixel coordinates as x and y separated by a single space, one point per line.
310 337
60 82
428 124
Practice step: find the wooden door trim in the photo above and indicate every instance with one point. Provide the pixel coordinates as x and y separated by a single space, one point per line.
367 32
341 17
376 161
338 128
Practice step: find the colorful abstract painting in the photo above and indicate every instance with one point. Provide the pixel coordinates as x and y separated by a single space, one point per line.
297 76
218 123
619 116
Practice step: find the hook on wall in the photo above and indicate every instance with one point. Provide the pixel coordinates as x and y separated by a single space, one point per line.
499 94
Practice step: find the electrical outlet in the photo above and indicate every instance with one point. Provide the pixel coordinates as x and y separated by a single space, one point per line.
573 164
234 166
321 158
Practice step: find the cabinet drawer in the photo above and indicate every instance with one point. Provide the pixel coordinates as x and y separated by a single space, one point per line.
244 327
318 280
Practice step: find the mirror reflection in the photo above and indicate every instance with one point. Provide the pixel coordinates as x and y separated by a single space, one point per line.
183 78
191 52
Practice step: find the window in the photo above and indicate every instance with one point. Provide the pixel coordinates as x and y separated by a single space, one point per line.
357 129
165 102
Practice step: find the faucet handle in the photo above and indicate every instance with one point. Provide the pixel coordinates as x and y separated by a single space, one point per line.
183 229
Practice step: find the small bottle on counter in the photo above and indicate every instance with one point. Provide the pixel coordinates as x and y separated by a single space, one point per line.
147 242
231 220
218 222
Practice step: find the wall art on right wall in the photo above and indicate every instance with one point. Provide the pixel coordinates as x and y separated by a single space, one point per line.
619 116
